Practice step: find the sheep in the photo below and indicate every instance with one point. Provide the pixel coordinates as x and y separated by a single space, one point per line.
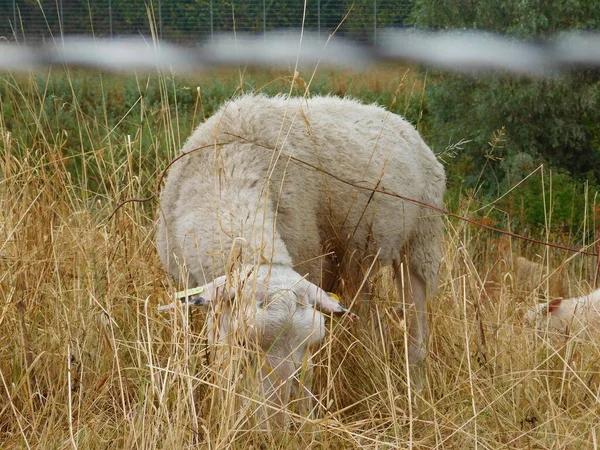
297 187
562 315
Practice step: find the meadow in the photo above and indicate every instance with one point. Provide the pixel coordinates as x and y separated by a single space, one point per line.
87 361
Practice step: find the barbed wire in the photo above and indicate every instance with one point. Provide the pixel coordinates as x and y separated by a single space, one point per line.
465 51
373 190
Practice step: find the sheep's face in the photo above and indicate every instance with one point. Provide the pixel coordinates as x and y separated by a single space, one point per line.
537 315
268 301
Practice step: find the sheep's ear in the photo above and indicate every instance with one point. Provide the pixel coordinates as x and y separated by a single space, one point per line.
204 295
550 307
553 305
325 302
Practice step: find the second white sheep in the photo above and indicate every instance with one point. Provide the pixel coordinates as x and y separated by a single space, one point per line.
573 314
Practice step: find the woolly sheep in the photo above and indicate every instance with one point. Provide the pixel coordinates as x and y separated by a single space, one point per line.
569 314
286 184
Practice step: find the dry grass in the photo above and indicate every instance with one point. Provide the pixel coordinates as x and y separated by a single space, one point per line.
86 360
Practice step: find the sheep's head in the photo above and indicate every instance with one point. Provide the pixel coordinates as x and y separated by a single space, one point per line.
265 285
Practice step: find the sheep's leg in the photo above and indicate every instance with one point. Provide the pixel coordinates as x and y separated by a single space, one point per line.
418 331
277 374
412 289
353 278
303 382
357 294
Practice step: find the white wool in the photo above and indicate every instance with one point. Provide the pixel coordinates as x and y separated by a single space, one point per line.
221 192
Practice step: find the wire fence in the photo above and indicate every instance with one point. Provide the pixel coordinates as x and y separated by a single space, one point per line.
189 20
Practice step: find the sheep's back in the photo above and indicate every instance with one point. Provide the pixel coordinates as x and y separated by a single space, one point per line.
331 153
323 157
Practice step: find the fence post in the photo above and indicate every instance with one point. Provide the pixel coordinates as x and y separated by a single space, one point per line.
15 19
61 24
375 21
264 19
110 18
319 18
160 27
212 30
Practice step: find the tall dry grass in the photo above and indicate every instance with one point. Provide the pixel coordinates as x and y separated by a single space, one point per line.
86 361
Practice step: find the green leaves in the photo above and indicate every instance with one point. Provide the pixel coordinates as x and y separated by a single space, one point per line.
553 121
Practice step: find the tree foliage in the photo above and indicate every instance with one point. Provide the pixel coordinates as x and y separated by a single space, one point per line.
542 120
555 120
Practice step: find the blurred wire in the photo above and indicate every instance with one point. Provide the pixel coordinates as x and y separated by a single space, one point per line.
463 51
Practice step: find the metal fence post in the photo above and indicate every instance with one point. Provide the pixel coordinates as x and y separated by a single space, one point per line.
15 20
375 21
212 30
319 18
160 25
110 25
61 24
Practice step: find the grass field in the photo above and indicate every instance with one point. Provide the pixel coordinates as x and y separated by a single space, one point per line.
86 361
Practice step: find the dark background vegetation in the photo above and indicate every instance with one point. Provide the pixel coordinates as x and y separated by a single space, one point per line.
189 20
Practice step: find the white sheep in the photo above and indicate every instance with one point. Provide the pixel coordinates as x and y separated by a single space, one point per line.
287 184
573 314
